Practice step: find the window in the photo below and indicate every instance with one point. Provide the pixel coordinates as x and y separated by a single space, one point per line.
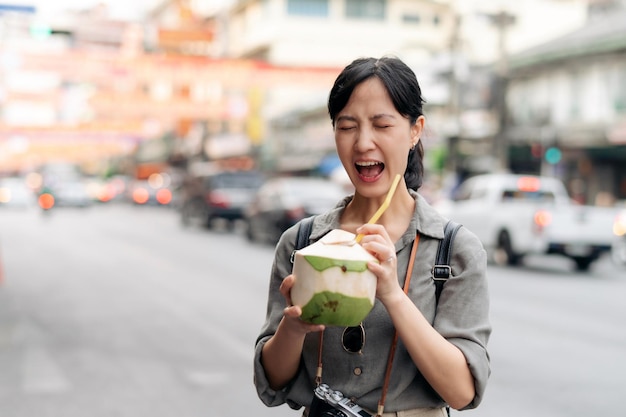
307 8
617 85
576 87
413 19
518 195
366 9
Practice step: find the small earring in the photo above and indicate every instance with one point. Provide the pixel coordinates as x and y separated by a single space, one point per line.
413 147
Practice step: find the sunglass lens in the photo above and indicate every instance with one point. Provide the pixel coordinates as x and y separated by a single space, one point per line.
353 339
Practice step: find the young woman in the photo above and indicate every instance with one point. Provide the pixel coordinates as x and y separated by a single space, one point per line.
441 359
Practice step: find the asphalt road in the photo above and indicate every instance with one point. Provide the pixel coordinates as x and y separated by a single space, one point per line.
118 311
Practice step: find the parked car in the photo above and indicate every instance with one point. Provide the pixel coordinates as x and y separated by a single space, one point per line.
14 192
618 248
153 191
519 215
222 195
282 202
71 193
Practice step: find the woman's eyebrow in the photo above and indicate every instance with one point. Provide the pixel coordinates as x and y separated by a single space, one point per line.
382 115
346 118
374 117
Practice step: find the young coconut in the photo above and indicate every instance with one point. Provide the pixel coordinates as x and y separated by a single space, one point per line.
332 283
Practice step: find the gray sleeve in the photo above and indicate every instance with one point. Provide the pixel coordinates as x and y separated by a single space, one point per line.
463 311
275 306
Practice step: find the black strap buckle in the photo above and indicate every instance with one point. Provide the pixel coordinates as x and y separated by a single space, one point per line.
441 272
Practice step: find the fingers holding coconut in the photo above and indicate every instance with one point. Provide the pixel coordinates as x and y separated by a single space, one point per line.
387 278
374 232
293 313
381 249
285 288
386 269
292 318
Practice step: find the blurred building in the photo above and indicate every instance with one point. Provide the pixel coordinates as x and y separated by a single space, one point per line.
451 45
196 82
87 88
567 107
51 69
328 33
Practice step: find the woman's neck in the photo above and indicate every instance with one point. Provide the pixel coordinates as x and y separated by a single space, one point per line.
396 218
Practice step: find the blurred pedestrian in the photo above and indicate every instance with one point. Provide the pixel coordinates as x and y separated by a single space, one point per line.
441 359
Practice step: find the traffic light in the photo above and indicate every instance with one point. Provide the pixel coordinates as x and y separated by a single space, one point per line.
553 155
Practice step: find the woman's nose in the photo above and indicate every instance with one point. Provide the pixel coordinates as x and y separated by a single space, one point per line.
364 140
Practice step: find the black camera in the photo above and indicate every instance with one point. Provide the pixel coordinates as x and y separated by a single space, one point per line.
330 403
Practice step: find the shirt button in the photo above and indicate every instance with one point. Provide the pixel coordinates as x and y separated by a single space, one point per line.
357 371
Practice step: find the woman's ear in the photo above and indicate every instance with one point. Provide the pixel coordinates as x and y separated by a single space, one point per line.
416 130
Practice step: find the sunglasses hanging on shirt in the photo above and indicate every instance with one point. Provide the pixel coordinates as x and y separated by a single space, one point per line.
353 339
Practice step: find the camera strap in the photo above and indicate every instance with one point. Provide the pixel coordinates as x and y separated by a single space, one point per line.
394 342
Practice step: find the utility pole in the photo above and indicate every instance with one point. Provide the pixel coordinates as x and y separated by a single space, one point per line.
452 160
501 20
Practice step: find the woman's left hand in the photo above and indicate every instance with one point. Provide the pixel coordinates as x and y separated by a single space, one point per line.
376 241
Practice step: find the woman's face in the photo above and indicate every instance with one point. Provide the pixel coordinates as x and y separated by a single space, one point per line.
373 140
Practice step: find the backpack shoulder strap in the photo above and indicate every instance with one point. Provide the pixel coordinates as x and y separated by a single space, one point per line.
302 238
441 270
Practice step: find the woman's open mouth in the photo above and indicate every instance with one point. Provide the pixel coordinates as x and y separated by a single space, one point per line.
369 170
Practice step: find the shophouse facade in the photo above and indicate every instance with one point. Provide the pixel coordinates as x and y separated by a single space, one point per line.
567 109
440 40
327 33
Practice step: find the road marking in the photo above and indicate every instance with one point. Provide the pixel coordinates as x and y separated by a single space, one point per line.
39 371
41 374
205 378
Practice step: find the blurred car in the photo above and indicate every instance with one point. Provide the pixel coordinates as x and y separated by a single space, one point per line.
618 249
106 190
222 195
152 191
282 202
116 187
14 192
71 193
1 266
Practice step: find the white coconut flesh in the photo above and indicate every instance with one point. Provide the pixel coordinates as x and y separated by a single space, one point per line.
332 283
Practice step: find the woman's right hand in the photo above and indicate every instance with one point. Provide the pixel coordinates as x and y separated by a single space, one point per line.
282 353
293 313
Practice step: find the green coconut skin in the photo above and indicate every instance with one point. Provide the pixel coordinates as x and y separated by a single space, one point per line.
322 263
336 309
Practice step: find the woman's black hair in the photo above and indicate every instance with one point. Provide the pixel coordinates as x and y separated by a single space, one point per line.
404 90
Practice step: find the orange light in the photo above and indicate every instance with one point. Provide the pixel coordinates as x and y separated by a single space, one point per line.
141 196
543 218
619 226
529 184
46 201
164 196
5 195
106 193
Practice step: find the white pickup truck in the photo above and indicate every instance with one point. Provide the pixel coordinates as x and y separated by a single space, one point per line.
519 215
